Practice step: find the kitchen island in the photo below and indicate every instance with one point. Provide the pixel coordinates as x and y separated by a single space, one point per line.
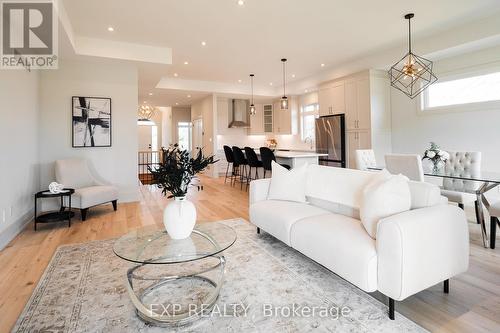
297 158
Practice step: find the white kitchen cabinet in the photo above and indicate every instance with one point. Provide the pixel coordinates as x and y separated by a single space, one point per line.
357 104
332 99
257 121
268 118
282 119
356 140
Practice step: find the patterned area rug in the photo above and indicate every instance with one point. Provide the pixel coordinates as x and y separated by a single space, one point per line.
83 290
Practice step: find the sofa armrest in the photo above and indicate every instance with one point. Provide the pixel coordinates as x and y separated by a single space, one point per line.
259 189
420 248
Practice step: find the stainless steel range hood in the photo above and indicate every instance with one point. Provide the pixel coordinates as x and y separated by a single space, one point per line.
239 115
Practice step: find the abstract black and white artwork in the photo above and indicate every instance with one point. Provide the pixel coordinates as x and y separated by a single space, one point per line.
91 122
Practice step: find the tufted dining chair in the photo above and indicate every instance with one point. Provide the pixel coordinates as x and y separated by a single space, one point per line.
365 158
462 191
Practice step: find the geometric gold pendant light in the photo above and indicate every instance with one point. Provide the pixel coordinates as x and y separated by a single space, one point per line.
412 74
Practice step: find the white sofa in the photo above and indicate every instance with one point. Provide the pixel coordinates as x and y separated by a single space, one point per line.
412 251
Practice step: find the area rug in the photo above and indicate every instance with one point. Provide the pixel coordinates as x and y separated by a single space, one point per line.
83 290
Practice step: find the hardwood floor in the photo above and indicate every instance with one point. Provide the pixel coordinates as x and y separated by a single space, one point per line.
473 304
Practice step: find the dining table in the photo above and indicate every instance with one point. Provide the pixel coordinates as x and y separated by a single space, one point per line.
481 182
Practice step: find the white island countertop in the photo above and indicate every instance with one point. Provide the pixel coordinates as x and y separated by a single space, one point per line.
297 154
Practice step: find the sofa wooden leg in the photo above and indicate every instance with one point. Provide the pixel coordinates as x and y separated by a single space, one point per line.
391 309
84 213
258 230
446 286
114 202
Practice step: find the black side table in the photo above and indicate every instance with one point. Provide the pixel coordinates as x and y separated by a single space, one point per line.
62 214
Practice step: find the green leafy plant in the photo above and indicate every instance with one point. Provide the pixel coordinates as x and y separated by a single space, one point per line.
177 169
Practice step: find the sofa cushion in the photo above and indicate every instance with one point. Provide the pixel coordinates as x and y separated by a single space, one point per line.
384 196
277 217
94 195
341 244
286 184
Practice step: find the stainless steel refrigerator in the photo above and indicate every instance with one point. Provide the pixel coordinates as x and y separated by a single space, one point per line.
330 139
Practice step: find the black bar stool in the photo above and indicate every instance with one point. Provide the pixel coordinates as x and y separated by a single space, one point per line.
239 162
230 162
267 157
253 162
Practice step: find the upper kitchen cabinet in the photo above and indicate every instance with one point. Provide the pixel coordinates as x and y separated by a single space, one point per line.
257 121
286 121
357 103
332 98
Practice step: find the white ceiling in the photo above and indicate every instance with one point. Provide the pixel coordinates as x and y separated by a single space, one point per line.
253 37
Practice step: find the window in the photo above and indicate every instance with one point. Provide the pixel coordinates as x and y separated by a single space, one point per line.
308 115
184 135
477 90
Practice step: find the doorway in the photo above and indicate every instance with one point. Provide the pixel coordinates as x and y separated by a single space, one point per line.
197 136
149 155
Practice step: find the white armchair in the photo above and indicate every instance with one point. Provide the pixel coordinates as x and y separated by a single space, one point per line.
89 192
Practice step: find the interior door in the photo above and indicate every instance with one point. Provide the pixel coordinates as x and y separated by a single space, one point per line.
197 136
145 136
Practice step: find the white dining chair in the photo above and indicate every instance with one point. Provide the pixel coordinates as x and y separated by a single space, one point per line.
462 191
365 158
409 165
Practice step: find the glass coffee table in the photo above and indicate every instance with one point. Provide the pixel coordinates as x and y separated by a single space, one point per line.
174 282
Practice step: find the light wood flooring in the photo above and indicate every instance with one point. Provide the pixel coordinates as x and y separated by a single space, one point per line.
473 304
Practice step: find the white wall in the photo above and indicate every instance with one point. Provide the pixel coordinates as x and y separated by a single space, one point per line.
19 168
116 164
457 131
206 109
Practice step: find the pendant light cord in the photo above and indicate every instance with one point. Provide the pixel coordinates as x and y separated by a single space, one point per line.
251 76
284 78
409 34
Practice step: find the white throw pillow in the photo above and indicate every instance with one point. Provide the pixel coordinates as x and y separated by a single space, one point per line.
384 196
288 185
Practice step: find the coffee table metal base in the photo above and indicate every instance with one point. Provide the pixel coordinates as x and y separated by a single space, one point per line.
166 314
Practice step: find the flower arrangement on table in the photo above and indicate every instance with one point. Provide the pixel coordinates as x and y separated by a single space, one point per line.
272 143
173 176
437 156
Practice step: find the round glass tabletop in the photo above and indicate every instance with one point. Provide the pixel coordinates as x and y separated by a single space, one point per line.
151 245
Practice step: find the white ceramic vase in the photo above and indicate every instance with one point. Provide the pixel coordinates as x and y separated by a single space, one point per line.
179 218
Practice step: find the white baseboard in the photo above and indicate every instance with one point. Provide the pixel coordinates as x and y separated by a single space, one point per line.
15 228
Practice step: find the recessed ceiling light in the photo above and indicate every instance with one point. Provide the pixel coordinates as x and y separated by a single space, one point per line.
111 29
322 65
293 75
241 2
239 81
176 75
176 103
150 94
203 43
270 83
144 102
186 63
306 90
189 96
